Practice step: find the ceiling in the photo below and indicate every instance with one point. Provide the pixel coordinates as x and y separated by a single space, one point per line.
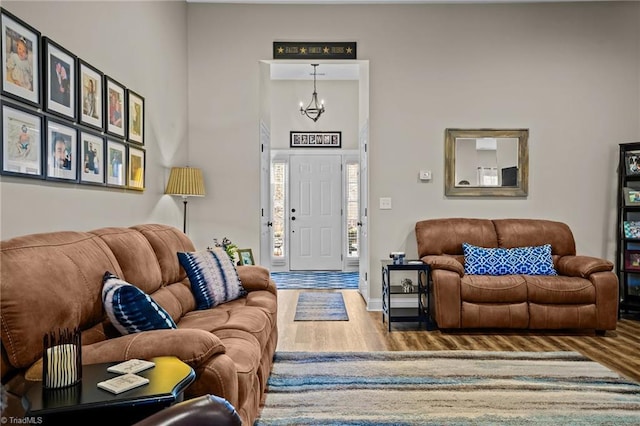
304 71
388 1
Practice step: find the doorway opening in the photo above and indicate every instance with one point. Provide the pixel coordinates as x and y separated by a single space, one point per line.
313 200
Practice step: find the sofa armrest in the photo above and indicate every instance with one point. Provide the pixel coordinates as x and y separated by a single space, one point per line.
445 262
192 346
582 266
255 277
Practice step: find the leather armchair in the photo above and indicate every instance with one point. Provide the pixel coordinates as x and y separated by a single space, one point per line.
203 410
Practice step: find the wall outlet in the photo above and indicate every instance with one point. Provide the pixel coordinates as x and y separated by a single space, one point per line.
425 174
385 203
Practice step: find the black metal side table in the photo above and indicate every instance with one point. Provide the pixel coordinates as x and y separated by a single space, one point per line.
401 314
85 403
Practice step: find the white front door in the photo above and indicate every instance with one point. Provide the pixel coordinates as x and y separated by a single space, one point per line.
315 212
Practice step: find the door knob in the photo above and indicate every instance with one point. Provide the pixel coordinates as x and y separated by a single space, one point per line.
293 218
359 223
293 210
269 223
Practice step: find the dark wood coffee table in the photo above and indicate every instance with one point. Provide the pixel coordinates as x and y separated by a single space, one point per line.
85 401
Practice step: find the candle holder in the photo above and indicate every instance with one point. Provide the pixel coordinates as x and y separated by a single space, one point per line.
62 359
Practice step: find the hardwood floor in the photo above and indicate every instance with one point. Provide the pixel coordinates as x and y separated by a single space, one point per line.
619 349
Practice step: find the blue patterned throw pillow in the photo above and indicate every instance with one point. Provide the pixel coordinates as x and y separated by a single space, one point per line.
514 261
129 309
213 277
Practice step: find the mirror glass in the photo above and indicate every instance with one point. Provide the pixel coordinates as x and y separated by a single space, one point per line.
486 162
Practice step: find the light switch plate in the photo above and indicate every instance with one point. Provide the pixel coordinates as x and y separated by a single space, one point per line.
385 203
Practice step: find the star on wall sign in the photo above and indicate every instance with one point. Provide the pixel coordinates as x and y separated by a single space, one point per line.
314 50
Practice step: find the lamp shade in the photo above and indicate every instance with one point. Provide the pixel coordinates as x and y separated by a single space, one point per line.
185 181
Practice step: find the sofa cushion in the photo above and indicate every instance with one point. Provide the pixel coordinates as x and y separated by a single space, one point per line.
560 290
130 309
515 261
213 277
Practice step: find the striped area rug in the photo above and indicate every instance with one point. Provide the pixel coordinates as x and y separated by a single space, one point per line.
447 388
315 280
320 306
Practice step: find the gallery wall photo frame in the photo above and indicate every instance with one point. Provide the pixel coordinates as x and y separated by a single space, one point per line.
116 166
59 72
135 118
136 168
22 141
315 139
90 95
93 148
115 108
20 56
61 148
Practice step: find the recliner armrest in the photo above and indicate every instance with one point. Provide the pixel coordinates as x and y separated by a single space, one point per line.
203 410
448 263
582 266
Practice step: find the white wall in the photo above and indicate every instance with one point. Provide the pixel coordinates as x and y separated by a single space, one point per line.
341 110
566 71
143 46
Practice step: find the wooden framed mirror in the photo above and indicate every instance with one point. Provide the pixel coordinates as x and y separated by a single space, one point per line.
486 162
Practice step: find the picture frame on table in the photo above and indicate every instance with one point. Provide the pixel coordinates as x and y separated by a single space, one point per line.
116 167
90 100
246 257
115 108
92 158
62 151
315 139
20 57
632 260
60 71
632 163
22 141
135 119
136 168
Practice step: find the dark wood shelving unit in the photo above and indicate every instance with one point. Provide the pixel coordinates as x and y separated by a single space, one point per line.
628 276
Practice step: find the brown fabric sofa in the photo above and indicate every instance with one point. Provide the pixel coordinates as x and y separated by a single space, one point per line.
584 294
54 280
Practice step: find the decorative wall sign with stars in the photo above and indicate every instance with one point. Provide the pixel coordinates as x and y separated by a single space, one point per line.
314 50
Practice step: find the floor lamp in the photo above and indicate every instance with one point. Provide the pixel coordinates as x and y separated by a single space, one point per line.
185 182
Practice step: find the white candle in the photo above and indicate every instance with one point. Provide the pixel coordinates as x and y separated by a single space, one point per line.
61 368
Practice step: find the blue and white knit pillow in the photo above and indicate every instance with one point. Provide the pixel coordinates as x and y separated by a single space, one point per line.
213 276
129 309
514 261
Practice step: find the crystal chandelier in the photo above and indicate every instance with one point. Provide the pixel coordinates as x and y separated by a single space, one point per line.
314 110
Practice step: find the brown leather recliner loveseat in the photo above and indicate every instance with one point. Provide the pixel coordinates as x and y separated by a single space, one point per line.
583 294
53 281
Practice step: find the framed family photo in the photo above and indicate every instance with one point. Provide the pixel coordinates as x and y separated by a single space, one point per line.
21 142
92 150
246 257
136 169
632 260
136 117
59 80
62 151
315 139
116 163
632 163
20 56
115 123
89 91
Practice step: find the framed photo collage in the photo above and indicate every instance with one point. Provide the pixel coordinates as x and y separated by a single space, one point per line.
62 118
